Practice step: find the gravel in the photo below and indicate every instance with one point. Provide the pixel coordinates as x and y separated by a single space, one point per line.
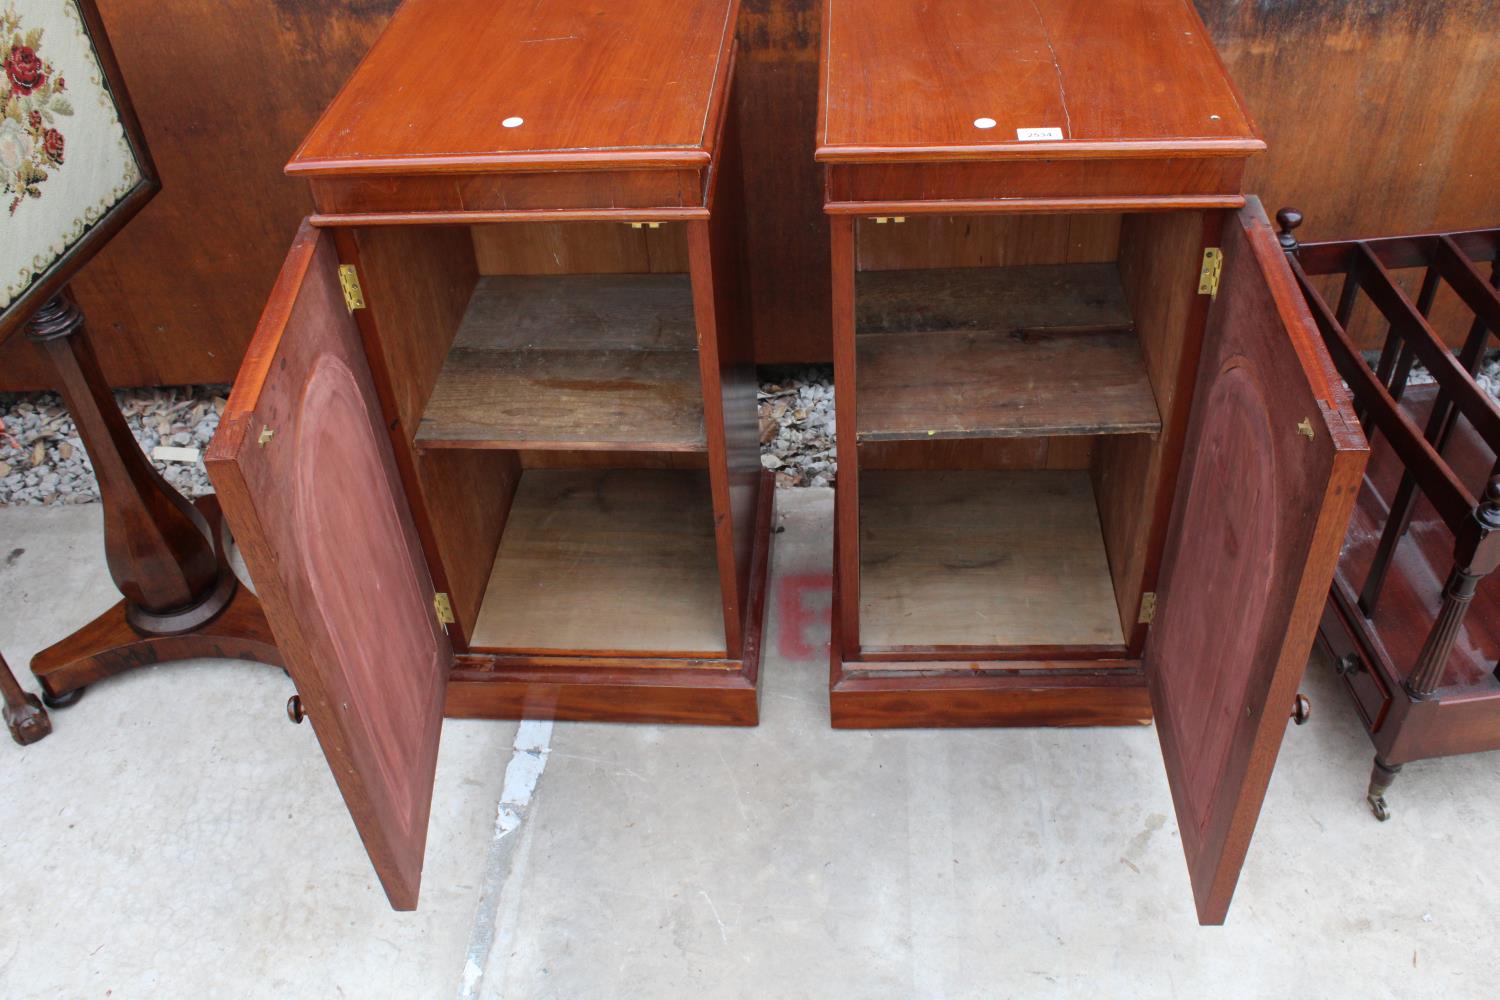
796 425
1488 377
42 461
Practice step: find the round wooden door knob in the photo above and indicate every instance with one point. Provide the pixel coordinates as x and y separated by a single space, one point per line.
294 709
1287 220
1301 710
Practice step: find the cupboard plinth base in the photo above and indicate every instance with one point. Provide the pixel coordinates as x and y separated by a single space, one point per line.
527 688
1117 697
646 689
111 644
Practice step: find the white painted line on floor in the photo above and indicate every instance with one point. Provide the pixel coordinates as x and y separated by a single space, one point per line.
528 760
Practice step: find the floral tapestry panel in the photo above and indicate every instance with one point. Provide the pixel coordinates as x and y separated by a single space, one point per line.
65 160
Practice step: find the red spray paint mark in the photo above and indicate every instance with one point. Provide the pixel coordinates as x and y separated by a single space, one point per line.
800 611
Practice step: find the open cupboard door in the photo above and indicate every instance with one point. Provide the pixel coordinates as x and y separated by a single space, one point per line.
1270 470
306 476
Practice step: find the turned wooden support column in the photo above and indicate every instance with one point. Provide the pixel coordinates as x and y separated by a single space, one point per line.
1478 553
158 547
168 556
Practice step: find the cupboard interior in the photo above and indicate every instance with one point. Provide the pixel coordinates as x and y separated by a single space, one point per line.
548 414
1022 384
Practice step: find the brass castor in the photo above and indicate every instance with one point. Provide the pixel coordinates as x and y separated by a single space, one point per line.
1380 779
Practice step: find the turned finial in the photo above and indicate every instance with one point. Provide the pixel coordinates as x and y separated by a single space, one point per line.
1287 219
56 319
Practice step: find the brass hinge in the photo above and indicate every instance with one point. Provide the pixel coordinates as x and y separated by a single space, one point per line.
1148 607
1208 275
354 296
883 219
444 609
644 225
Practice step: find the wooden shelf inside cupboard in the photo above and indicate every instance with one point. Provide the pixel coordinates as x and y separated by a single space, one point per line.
998 352
571 361
984 559
606 561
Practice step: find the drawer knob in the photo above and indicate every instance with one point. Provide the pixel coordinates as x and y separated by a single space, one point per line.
1348 664
294 709
1301 710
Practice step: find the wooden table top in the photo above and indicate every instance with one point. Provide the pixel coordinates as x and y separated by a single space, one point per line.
460 86
906 80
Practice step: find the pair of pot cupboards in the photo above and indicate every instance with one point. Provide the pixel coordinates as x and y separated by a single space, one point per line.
494 449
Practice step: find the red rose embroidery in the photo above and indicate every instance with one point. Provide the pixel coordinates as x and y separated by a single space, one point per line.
52 145
25 70
32 144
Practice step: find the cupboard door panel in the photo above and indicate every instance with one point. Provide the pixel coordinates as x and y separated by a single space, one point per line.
306 475
1272 465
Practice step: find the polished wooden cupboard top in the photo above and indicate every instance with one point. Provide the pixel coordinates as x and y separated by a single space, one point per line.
594 83
974 79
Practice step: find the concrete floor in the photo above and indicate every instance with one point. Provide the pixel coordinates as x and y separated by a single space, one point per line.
175 837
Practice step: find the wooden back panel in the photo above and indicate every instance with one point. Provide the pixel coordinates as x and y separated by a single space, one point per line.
307 478
580 248
987 241
1273 461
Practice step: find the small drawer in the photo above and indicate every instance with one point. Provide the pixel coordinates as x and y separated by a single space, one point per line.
1370 694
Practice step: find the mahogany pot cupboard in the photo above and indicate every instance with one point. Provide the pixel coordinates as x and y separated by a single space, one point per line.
1094 463
1092 427
466 488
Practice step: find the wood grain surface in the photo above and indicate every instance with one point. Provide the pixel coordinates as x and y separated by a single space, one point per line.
968 79
1133 474
1272 463
982 559
601 561
582 361
306 475
1003 383
464 85
999 352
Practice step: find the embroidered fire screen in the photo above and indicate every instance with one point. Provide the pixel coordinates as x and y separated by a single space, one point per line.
73 166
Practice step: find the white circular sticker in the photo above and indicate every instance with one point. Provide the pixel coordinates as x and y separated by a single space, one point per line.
984 123
513 121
